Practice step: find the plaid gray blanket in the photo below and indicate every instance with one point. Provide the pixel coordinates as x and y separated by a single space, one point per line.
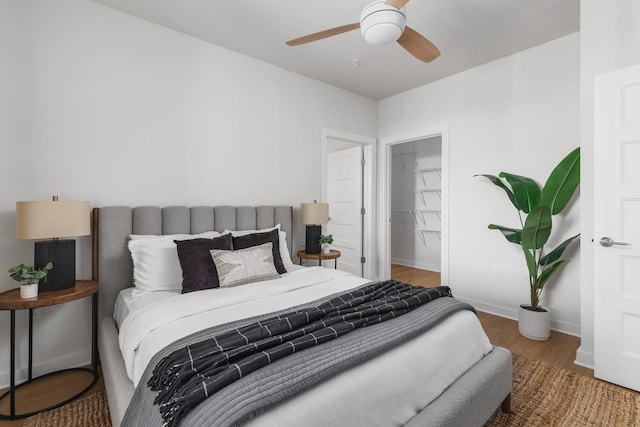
189 375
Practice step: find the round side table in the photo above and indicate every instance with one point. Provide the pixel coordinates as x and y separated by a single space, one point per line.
334 255
10 300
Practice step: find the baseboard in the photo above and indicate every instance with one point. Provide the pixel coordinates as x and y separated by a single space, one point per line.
584 358
496 310
412 263
512 313
69 361
565 327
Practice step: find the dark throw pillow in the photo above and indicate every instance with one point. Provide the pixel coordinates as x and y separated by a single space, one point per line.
255 239
198 270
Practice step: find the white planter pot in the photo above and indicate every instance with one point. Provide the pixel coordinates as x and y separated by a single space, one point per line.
28 290
534 324
326 250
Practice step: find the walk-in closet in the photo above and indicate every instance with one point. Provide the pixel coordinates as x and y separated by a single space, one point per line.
416 195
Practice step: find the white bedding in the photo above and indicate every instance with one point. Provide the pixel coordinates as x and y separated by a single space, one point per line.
422 368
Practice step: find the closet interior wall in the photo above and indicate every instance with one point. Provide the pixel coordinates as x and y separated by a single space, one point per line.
415 204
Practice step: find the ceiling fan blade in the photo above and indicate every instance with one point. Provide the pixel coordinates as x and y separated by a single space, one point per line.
323 34
398 4
417 45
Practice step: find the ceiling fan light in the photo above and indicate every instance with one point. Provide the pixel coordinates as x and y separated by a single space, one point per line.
381 23
382 33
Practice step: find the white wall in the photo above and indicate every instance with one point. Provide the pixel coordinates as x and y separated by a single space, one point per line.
518 114
97 105
609 40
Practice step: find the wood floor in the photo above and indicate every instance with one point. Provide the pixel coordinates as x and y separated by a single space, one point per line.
47 392
559 350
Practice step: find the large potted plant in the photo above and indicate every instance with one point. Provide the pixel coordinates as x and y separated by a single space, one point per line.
28 276
535 208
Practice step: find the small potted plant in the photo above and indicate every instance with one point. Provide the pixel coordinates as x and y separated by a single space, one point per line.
325 241
28 276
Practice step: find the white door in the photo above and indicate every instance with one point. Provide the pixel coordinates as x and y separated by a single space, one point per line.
617 227
344 195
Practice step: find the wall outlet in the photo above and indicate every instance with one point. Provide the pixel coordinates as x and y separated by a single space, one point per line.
497 270
37 313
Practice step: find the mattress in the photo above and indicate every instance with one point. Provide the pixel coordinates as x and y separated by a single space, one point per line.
399 383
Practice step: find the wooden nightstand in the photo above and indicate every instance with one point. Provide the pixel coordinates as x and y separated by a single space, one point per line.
334 255
10 300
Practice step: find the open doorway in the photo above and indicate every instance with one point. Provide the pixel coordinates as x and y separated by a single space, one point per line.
416 211
427 220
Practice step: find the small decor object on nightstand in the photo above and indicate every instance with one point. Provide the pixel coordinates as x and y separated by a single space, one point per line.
28 276
325 240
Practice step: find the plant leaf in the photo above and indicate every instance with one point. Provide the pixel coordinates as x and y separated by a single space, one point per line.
498 182
555 254
531 262
537 228
525 190
562 183
546 274
514 235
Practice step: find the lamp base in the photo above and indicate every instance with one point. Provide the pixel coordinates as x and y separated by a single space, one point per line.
312 241
62 253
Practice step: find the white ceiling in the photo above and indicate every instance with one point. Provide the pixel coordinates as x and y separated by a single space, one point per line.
467 32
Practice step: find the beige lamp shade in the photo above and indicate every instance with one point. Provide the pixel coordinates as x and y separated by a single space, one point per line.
314 213
47 220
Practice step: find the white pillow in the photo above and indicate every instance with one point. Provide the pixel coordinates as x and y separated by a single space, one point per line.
245 232
155 261
249 265
282 240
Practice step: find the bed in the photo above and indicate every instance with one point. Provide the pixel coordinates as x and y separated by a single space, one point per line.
477 385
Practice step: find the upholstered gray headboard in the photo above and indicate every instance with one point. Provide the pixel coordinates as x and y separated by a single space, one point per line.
112 225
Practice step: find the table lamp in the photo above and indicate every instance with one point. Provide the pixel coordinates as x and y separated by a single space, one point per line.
52 220
313 215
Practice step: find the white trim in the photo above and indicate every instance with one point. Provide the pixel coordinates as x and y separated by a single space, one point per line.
414 264
512 313
369 149
584 358
384 197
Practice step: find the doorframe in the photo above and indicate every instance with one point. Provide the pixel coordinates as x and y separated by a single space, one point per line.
369 151
384 197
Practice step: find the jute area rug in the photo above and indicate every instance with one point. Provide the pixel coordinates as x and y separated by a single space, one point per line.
90 411
542 396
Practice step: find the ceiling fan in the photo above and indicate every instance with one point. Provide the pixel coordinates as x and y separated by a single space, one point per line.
381 22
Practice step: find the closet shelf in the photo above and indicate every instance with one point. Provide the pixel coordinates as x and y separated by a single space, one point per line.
430 177
415 214
410 211
425 170
421 171
421 232
423 191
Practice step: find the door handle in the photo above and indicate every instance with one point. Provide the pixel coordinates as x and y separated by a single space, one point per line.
608 241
